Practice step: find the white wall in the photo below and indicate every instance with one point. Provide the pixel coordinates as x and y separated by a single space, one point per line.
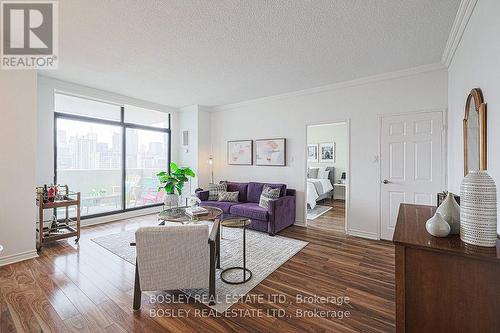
187 156
196 120
475 64
18 136
287 117
337 133
204 147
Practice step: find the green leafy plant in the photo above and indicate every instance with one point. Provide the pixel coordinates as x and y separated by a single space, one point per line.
175 179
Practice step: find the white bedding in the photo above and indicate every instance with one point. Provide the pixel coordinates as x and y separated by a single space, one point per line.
312 192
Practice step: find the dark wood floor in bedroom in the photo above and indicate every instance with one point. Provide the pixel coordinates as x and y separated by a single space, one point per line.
85 288
333 220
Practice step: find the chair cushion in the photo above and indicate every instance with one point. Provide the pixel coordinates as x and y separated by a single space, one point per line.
255 190
224 205
182 249
238 187
251 210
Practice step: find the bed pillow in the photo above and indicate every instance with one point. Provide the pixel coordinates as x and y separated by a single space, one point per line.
228 196
215 189
268 194
323 174
312 173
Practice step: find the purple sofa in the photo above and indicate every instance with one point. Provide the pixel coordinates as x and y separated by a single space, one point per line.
279 215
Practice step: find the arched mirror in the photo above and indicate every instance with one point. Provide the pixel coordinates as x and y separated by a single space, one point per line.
474 132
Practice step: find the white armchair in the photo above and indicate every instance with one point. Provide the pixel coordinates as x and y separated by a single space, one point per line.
176 256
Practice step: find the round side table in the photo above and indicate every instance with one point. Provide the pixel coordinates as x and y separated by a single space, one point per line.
238 223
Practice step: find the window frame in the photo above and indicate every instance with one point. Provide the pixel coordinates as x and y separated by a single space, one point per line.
124 126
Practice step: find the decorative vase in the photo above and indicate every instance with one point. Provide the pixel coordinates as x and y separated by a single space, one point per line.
450 212
478 210
194 201
171 200
437 226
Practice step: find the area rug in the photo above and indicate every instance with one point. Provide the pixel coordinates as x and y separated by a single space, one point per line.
264 253
317 212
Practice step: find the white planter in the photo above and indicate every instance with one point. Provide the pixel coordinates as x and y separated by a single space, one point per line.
478 209
450 212
171 200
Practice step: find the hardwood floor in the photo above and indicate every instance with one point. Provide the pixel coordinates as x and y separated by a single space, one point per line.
333 220
85 288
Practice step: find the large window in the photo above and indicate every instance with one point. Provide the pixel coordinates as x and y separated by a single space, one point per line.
146 155
110 153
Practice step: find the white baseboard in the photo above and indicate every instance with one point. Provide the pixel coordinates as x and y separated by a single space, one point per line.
299 223
121 216
363 234
13 258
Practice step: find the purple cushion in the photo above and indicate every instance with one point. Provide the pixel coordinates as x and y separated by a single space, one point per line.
203 195
251 210
224 205
255 190
238 187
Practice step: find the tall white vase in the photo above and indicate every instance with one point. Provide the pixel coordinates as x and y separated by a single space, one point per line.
478 209
450 212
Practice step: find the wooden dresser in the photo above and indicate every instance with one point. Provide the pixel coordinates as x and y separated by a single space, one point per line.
443 284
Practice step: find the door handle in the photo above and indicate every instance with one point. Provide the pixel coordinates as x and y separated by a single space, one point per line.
385 181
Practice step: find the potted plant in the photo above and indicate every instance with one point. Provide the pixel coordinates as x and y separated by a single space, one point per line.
172 182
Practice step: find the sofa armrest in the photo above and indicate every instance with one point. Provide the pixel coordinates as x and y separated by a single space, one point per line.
281 213
203 195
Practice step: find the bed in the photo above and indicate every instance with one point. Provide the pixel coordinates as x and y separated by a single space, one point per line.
319 189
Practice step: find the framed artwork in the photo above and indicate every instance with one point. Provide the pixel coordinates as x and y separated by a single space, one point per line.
327 152
240 152
270 152
312 153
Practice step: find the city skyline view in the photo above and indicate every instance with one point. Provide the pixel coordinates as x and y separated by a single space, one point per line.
83 145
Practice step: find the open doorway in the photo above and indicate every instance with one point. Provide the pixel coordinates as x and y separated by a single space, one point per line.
327 190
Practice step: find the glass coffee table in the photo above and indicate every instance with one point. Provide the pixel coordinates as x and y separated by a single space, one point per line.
178 214
238 222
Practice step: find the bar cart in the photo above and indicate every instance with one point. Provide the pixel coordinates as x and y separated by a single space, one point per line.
56 229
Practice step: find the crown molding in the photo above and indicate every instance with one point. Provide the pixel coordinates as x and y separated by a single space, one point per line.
464 13
335 86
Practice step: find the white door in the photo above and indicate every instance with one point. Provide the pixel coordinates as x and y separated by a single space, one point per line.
411 160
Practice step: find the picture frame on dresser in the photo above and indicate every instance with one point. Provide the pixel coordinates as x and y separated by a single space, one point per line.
270 152
240 152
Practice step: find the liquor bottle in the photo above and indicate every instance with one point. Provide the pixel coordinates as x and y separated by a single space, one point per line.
56 192
45 193
51 193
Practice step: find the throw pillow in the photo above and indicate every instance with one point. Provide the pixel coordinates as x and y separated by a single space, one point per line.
228 196
267 195
312 173
215 189
323 174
